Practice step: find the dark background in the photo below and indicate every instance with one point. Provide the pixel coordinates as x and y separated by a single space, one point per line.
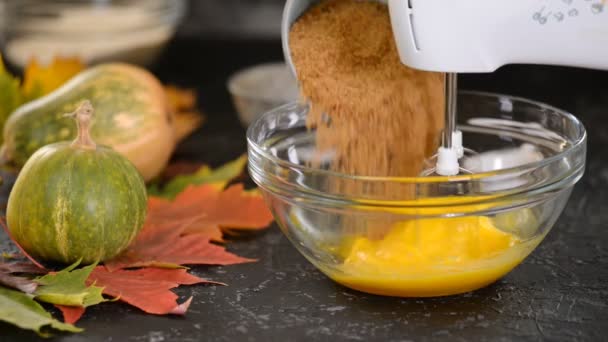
560 293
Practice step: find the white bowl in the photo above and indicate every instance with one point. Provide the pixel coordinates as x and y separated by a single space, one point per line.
260 88
132 31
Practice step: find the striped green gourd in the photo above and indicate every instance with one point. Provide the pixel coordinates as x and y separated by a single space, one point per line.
132 117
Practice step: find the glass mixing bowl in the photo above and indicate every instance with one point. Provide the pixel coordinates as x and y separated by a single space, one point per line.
424 236
96 31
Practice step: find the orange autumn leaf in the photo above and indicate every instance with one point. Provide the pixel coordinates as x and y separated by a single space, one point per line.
39 80
182 103
147 289
233 208
159 211
180 232
164 244
180 99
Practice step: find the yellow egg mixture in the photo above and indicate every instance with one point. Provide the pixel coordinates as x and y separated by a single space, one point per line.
432 257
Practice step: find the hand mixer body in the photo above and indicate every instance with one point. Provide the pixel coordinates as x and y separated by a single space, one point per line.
481 36
472 36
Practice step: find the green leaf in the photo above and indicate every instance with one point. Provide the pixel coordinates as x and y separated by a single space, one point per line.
68 287
21 310
154 190
10 95
205 175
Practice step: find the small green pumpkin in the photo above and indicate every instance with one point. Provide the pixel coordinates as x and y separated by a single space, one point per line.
76 200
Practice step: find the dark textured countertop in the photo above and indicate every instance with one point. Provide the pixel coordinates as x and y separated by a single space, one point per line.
559 293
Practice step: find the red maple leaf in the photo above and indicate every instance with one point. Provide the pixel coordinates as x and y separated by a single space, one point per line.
146 288
165 245
180 232
71 314
233 208
161 211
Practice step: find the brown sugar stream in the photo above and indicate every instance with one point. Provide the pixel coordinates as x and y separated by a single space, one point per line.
378 116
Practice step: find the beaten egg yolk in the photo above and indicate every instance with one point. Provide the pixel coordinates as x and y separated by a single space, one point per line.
432 257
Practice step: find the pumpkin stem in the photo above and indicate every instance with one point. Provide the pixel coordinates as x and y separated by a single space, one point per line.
84 117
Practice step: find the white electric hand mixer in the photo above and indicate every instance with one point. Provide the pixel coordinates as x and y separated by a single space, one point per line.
474 36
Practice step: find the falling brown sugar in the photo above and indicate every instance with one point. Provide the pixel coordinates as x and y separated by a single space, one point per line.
380 117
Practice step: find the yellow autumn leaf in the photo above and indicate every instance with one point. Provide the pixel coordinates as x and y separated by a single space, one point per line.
10 95
39 80
180 99
182 103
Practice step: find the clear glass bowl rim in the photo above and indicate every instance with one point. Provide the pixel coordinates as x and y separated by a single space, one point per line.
575 146
172 14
